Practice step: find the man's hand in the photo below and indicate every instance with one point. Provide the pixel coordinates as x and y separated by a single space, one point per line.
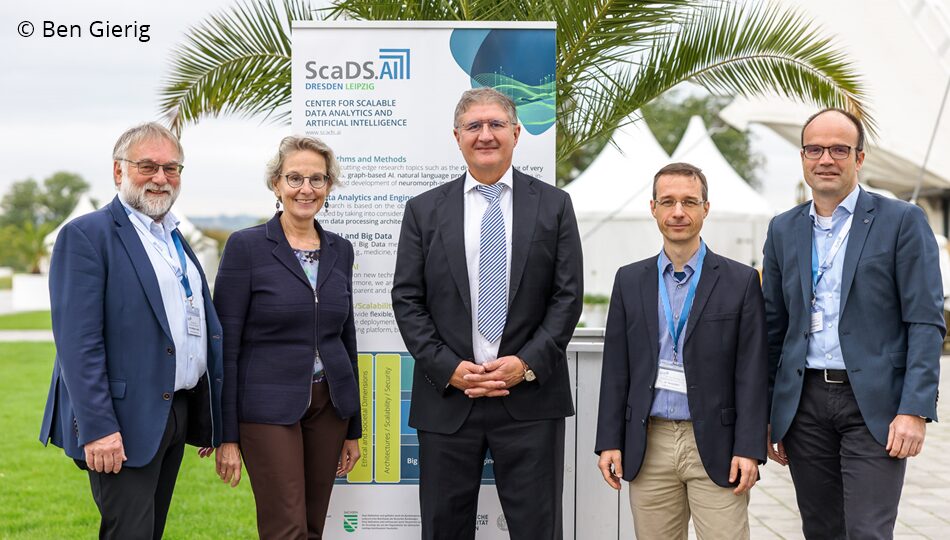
776 452
905 436
348 457
106 455
611 466
499 375
747 470
227 462
464 368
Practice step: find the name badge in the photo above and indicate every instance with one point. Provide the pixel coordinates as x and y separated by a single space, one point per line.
817 321
671 377
194 321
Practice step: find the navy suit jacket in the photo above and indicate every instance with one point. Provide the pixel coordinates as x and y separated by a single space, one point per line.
725 353
891 326
432 303
273 327
115 357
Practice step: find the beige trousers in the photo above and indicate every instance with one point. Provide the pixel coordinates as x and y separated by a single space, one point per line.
672 485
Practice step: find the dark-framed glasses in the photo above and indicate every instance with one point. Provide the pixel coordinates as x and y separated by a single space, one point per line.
478 125
688 204
150 168
815 151
317 181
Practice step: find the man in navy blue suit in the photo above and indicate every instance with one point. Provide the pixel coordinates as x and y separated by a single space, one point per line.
855 320
138 361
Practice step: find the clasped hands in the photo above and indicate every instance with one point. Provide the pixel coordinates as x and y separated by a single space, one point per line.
491 379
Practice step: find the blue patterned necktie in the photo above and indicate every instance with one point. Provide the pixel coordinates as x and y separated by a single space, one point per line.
492 266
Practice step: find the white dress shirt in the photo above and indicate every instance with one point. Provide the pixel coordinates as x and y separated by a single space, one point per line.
191 352
475 206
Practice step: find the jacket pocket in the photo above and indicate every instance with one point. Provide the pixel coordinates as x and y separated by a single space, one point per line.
117 389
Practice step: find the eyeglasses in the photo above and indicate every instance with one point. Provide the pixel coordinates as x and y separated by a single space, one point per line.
478 125
688 204
150 168
837 151
317 181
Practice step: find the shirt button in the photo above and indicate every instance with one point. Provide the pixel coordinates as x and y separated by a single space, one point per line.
828 295
679 286
166 396
829 235
829 325
828 356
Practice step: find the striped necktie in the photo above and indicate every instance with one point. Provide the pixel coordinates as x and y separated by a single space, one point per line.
492 266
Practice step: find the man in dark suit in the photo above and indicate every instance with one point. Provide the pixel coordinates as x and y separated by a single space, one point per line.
855 319
138 361
487 292
683 385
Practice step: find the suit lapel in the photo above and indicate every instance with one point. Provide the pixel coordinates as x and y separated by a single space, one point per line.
328 256
803 239
707 282
451 229
860 227
282 250
650 294
526 200
140 261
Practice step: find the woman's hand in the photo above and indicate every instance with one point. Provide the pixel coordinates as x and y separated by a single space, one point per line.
227 461
348 457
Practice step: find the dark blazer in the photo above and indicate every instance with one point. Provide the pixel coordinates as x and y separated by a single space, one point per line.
273 327
725 352
891 326
114 368
432 303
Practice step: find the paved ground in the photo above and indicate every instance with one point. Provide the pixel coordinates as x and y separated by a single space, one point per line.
26 335
925 504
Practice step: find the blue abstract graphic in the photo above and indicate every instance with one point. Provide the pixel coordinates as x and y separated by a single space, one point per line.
518 63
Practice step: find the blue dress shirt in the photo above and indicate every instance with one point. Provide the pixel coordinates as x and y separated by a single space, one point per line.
666 403
824 348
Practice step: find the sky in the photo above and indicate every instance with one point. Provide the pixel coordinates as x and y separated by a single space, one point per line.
65 100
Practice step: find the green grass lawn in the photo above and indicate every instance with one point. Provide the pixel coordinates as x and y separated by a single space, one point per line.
26 320
43 495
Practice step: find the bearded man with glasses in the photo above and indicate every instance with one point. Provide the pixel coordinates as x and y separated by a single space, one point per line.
138 368
854 306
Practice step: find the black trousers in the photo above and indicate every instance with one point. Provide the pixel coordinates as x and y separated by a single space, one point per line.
133 503
529 474
846 484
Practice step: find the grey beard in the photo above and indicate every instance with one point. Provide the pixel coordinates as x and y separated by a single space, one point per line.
138 198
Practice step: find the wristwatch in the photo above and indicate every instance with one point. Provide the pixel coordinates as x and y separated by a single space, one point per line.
528 374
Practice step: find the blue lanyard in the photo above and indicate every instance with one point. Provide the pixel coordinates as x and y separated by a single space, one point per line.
184 266
677 328
818 270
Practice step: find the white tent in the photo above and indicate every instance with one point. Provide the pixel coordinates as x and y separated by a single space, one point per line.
611 199
738 215
83 206
612 203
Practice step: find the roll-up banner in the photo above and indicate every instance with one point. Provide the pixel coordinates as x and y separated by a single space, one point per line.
383 96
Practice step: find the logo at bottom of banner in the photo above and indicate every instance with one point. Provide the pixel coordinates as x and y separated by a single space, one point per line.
351 521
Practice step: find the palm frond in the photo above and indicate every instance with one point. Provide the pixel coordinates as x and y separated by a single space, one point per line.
236 62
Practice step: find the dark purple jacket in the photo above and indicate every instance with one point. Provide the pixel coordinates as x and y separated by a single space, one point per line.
273 325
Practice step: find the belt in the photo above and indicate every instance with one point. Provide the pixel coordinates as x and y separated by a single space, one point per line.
832 376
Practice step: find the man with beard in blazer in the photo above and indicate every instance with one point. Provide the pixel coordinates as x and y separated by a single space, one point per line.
683 388
487 292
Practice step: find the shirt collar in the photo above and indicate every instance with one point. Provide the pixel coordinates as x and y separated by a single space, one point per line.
506 179
168 223
844 208
689 267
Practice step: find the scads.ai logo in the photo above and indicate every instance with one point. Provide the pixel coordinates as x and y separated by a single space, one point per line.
392 64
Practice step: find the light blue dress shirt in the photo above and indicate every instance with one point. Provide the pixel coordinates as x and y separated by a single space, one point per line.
666 403
824 347
191 352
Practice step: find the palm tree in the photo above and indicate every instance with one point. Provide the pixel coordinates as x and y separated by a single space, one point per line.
613 56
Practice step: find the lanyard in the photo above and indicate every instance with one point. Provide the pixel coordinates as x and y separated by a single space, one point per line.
185 283
818 270
676 329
